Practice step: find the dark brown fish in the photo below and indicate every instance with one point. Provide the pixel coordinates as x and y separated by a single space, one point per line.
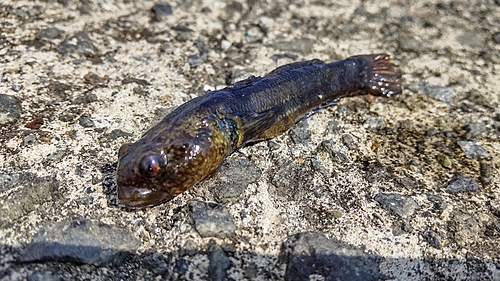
192 141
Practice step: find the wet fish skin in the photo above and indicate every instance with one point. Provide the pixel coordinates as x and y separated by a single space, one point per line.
192 141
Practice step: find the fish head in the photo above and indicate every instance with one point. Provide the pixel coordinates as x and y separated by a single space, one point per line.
152 171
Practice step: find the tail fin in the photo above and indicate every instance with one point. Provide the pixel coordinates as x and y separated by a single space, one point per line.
380 76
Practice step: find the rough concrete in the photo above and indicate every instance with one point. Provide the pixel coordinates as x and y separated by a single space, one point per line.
83 77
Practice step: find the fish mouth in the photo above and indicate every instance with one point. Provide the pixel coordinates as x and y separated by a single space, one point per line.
135 197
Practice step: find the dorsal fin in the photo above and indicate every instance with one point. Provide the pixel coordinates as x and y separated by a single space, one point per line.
291 66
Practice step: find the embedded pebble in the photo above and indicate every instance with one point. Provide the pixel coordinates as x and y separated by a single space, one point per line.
218 264
84 99
298 45
161 11
49 33
234 178
212 219
312 254
461 183
350 142
444 160
486 173
10 109
224 44
374 122
401 205
29 140
85 122
79 43
80 241
432 238
198 59
496 37
16 87
31 192
465 227
475 129
473 149
440 93
439 205
301 133
117 133
195 60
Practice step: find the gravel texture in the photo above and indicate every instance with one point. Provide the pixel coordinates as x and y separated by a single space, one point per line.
405 188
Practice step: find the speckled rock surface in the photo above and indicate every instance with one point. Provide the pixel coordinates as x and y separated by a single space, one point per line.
80 78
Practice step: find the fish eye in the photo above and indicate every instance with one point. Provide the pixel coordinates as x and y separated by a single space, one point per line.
151 165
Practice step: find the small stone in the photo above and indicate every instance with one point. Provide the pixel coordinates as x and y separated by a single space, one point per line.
444 94
342 110
374 122
403 206
79 43
299 45
376 172
29 140
218 264
16 87
94 79
461 183
311 254
496 37
137 81
10 109
470 40
234 178
301 133
475 129
432 238
473 149
465 227
212 219
349 141
84 99
87 200
35 124
56 156
139 90
49 33
195 60
224 44
329 147
117 133
439 205
85 122
80 241
202 47
486 173
161 11
31 192
444 160
67 117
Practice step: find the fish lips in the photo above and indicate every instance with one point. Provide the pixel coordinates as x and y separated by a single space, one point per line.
135 197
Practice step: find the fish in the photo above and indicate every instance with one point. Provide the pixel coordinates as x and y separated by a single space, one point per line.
191 142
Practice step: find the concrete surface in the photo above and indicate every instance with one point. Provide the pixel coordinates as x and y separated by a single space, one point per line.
410 182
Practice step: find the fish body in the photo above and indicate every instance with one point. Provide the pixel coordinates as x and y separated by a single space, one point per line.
192 141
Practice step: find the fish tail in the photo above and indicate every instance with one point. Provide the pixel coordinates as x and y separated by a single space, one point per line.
380 77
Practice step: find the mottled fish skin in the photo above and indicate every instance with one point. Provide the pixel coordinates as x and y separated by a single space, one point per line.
192 141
